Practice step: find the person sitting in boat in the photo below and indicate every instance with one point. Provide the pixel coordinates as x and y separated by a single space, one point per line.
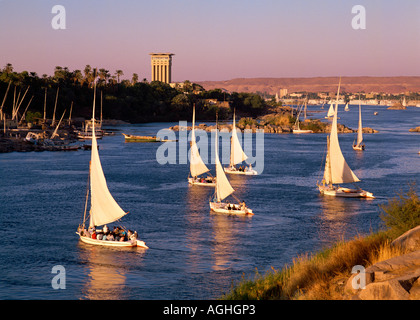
110 237
123 235
105 229
91 230
243 206
134 236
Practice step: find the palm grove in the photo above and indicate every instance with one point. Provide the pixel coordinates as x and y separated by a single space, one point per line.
129 100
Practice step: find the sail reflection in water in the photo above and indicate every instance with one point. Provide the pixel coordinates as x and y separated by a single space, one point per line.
223 232
107 271
335 218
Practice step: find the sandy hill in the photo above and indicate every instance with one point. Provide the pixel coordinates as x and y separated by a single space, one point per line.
393 85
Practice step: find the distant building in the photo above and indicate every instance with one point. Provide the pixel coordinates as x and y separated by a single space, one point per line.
161 67
282 93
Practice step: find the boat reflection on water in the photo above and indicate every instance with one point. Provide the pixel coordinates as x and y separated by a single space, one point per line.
106 270
204 227
225 242
336 215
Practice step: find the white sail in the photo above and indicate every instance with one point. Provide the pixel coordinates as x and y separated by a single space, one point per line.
197 165
360 129
339 171
331 109
104 209
237 155
223 187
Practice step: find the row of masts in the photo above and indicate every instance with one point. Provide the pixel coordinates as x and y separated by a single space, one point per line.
17 104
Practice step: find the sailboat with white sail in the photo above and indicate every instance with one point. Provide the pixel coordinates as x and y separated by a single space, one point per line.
103 207
223 189
297 128
237 155
346 108
197 166
337 170
330 112
358 145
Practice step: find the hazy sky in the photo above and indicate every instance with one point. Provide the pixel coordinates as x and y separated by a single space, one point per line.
215 39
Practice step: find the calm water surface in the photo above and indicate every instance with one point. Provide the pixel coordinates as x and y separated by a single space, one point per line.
193 254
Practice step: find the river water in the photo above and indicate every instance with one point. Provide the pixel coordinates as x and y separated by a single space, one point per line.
193 254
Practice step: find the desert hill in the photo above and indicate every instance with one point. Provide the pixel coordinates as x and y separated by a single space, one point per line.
394 85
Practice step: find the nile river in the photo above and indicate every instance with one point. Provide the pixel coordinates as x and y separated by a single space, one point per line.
193 254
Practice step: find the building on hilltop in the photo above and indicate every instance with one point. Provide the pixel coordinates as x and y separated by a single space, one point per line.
161 67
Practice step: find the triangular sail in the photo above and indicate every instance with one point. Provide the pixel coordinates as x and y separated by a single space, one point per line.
223 187
104 209
331 110
339 171
197 165
346 108
360 129
237 155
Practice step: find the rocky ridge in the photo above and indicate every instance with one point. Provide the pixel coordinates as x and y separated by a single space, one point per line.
397 278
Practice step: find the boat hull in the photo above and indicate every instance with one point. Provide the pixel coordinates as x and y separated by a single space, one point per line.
191 181
247 172
299 131
221 207
345 192
121 244
131 138
359 148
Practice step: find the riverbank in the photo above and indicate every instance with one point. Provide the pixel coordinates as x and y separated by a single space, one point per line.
391 264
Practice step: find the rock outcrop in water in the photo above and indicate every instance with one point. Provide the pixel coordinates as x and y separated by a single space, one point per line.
316 125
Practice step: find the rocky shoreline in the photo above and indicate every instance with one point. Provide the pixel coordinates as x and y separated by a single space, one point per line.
315 125
397 278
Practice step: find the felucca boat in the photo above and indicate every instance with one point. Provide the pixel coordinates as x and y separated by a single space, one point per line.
346 108
103 207
337 170
330 112
237 155
358 145
223 189
197 166
297 128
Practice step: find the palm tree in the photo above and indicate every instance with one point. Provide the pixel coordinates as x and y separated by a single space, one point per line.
8 68
118 74
103 75
135 78
89 76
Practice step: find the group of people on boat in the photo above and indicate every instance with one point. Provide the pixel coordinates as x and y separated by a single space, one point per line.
241 168
240 206
117 234
208 179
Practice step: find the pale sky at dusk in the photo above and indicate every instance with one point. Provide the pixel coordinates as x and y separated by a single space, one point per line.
215 39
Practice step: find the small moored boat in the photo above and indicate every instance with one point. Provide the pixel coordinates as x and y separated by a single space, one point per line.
133 138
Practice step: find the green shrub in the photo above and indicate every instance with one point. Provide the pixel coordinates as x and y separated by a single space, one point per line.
402 212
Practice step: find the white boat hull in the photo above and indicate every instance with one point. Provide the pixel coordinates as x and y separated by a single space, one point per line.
359 148
221 207
344 192
130 243
298 131
246 172
198 183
